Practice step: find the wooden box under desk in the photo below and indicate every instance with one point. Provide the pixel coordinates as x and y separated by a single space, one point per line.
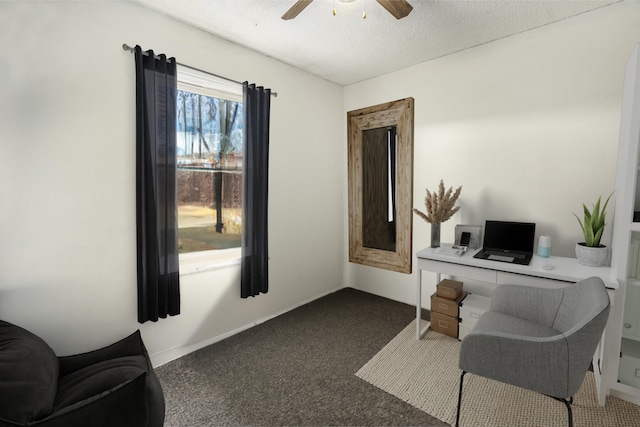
445 314
446 306
450 289
447 325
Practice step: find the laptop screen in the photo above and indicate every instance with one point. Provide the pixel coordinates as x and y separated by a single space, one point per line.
511 236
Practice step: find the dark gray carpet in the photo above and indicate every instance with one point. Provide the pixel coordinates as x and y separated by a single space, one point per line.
295 370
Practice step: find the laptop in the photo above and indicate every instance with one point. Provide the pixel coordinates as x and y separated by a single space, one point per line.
508 242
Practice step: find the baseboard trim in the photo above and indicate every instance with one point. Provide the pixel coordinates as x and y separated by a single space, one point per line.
625 396
165 356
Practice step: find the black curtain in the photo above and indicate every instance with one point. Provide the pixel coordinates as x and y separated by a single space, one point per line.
156 206
255 185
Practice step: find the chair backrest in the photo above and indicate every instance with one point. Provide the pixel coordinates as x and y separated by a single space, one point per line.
582 317
28 376
580 304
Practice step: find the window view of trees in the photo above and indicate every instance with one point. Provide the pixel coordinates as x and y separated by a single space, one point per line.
209 149
207 129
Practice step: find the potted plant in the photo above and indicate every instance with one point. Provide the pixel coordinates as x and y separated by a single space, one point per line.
591 252
439 209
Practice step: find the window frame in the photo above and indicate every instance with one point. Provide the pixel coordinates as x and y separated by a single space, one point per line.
196 81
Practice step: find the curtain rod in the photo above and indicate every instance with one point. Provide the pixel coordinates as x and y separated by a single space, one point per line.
128 48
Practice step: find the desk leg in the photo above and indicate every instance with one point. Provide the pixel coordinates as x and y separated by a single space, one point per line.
420 333
418 304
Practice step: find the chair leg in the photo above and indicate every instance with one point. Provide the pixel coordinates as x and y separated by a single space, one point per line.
459 399
567 403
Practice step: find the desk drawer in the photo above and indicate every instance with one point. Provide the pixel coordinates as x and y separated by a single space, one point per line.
453 269
505 278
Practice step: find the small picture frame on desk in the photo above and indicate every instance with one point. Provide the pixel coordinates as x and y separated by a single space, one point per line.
472 232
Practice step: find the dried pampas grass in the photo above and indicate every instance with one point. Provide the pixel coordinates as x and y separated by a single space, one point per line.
440 205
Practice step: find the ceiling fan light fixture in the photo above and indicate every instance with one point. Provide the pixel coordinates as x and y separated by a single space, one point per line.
364 9
398 8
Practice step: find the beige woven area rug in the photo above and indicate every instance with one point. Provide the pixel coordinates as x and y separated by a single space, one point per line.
425 374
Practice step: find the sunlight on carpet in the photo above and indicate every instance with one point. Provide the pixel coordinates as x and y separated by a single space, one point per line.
425 374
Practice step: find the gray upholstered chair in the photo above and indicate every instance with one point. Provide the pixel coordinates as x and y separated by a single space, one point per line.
539 339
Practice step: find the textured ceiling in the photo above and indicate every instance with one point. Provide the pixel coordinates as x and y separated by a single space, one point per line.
346 49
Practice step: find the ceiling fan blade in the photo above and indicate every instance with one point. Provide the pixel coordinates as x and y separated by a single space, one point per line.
296 9
398 8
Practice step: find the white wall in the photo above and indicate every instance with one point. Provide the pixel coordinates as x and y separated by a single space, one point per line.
545 103
67 179
528 125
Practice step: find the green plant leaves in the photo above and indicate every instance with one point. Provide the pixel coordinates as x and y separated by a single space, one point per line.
594 222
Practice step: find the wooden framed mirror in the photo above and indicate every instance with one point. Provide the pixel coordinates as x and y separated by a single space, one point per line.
380 172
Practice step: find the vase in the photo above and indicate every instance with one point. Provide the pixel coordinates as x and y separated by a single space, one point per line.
435 235
591 256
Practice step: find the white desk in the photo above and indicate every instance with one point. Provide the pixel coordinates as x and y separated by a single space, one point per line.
564 272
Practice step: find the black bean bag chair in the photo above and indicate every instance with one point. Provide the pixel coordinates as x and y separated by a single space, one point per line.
112 387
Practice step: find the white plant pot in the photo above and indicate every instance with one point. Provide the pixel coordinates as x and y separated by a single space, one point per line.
592 257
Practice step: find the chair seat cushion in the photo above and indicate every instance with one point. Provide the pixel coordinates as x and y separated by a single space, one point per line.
499 324
501 346
28 375
98 378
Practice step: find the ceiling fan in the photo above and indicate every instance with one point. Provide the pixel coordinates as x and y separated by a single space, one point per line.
398 8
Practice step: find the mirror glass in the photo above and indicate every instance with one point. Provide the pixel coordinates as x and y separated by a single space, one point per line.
379 188
380 145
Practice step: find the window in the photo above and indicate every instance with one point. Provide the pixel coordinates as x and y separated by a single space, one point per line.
209 149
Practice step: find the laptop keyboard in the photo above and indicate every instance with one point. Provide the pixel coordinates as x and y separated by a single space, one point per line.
507 254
